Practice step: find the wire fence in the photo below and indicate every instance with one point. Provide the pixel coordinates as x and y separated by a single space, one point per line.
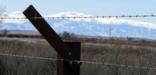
81 17
79 62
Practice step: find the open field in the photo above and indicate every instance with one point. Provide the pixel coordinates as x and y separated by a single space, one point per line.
129 59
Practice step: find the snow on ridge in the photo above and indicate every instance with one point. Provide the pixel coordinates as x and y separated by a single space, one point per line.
72 14
109 21
67 14
14 14
132 22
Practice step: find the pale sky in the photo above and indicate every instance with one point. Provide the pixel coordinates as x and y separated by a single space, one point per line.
97 7
93 7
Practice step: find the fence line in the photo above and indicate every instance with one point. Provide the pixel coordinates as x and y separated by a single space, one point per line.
83 17
79 62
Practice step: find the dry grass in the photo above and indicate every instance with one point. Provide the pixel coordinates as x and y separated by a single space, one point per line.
118 54
26 66
142 56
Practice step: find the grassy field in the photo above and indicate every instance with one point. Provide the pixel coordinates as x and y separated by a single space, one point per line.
142 57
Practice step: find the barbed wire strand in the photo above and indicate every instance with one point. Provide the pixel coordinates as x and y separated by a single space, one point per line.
77 61
78 17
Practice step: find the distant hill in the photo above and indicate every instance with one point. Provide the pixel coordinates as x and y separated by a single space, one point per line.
91 27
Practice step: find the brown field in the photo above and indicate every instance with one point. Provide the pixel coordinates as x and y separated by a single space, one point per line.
138 57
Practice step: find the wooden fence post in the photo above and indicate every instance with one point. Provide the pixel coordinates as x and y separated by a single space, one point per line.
62 68
67 51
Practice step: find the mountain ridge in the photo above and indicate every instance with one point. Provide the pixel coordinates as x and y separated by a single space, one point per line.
113 27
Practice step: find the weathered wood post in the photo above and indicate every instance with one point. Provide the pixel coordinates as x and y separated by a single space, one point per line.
62 65
69 51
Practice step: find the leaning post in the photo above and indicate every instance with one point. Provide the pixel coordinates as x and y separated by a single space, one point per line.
68 51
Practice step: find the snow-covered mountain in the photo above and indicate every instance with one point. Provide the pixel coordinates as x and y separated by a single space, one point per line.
93 27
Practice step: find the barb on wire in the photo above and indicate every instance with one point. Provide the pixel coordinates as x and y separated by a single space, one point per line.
82 17
77 61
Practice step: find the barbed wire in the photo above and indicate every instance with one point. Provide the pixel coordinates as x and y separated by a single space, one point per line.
79 62
80 17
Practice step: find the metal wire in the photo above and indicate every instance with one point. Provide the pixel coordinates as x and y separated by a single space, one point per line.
77 61
82 17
